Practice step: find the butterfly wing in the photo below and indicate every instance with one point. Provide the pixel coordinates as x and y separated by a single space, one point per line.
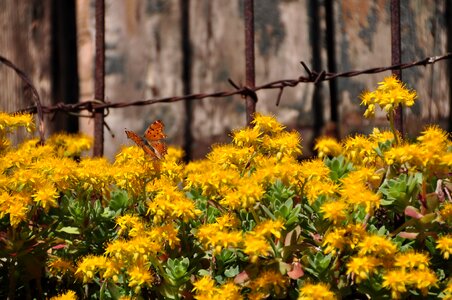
155 131
142 144
159 148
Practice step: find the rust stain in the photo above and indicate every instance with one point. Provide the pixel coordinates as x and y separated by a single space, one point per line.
355 13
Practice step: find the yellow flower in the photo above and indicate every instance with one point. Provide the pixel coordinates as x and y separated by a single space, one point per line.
390 93
140 276
423 280
327 146
377 245
434 137
166 234
357 194
16 205
245 195
69 144
270 169
60 171
69 295
228 291
268 281
255 246
362 267
95 174
267 124
446 212
334 240
205 285
211 237
129 155
319 291
365 175
9 122
314 168
283 144
247 137
433 146
319 186
378 136
407 153
355 234
359 150
172 170
46 196
335 211
60 266
444 244
175 154
170 203
131 225
448 291
212 179
90 265
118 248
411 260
396 281
113 269
228 220
269 227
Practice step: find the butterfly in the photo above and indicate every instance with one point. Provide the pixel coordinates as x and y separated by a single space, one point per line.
152 143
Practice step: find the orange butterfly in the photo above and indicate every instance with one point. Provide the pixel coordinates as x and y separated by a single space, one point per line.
152 143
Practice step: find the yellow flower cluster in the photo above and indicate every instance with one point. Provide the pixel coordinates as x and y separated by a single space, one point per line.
411 271
206 289
69 295
390 93
35 175
9 123
431 152
131 255
236 175
358 149
311 291
224 233
222 205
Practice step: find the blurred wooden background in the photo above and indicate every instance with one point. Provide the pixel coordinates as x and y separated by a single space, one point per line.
53 42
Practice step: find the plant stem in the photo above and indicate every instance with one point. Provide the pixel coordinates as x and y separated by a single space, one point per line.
394 131
273 245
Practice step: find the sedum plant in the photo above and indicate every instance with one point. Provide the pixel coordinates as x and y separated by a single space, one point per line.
369 218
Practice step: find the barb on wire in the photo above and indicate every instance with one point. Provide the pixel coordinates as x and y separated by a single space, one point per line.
313 77
29 85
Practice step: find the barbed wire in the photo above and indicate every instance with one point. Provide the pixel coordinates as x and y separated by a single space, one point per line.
312 77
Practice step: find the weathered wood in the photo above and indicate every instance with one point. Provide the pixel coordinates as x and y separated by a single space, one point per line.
144 60
25 40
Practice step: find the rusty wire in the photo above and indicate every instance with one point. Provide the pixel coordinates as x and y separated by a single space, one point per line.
99 78
312 77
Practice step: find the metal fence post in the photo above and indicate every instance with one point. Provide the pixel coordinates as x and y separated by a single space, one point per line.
249 58
99 78
396 54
